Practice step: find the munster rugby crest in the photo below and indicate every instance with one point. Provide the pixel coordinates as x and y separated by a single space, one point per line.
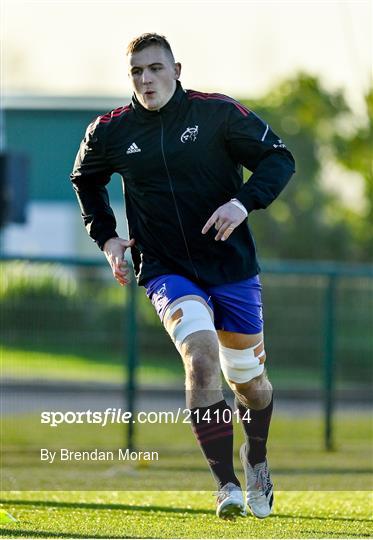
189 135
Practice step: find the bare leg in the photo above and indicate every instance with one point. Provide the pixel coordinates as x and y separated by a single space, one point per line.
200 354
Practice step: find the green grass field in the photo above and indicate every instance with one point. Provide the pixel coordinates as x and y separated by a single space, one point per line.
319 494
55 365
182 515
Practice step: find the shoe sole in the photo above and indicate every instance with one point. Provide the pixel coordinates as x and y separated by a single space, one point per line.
244 461
232 511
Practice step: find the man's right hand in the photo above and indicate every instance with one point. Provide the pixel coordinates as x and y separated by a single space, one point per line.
114 250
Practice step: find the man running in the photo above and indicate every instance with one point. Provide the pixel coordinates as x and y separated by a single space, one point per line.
180 154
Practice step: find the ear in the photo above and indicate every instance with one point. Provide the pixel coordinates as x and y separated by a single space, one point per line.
177 70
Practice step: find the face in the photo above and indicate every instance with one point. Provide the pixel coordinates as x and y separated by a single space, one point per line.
153 75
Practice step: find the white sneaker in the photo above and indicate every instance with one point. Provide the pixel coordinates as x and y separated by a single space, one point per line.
259 486
230 502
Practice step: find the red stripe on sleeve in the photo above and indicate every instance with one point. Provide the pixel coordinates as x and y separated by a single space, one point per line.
192 94
104 119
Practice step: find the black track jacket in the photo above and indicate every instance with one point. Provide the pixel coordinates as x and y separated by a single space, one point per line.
178 165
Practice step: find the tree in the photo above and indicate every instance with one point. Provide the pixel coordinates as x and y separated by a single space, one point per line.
307 221
354 151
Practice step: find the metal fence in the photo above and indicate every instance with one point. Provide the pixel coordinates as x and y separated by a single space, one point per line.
318 327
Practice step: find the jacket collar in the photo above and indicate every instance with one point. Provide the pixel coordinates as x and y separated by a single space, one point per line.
170 106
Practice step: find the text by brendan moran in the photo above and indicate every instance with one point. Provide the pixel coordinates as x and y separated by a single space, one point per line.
120 454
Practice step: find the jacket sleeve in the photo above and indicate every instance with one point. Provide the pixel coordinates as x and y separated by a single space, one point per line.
252 143
90 175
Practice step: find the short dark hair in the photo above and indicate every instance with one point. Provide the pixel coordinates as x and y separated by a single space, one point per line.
147 40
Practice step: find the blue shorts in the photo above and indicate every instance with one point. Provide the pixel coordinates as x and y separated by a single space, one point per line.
237 307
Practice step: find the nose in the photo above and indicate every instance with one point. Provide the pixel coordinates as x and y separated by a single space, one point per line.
146 76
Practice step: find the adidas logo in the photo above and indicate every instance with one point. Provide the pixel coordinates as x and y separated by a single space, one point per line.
133 148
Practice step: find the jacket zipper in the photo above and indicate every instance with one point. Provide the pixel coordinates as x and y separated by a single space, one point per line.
174 199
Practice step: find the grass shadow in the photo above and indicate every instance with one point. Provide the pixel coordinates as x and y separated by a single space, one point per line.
322 518
110 506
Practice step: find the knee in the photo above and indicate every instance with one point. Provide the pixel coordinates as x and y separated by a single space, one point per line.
202 371
201 346
256 393
201 358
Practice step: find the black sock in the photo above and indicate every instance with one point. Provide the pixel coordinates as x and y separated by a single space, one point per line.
256 431
214 432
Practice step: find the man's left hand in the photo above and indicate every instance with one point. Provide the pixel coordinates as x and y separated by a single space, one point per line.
226 218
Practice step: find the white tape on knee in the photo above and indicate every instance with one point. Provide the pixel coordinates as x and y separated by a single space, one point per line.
194 316
241 366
